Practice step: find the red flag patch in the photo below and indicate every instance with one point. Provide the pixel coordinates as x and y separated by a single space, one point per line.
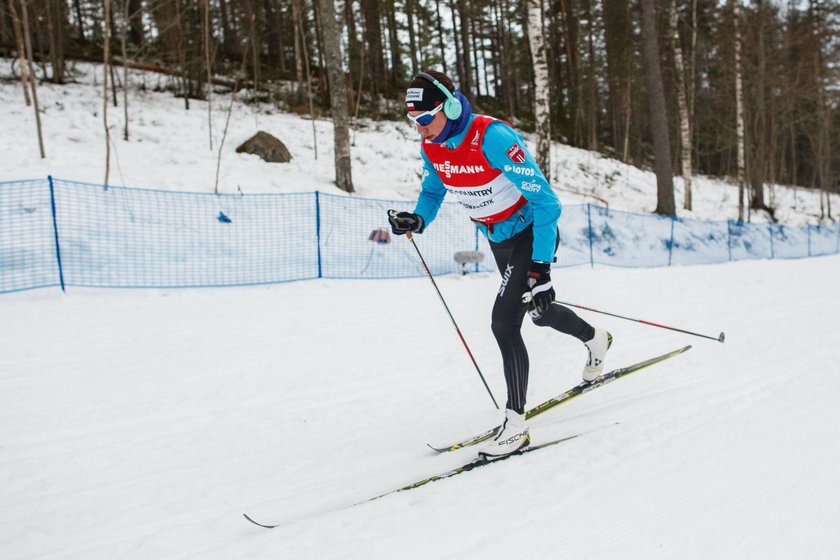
516 154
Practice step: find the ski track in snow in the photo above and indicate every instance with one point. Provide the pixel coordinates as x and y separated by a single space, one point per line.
143 423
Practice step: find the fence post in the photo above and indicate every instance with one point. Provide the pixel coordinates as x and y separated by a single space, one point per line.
838 237
55 232
476 248
808 226
589 219
772 251
729 233
671 244
318 228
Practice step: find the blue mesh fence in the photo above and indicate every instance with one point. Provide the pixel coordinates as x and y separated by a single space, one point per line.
123 237
347 250
65 233
27 237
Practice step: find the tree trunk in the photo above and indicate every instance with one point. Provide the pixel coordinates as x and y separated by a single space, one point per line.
5 36
233 91
322 67
658 113
441 42
572 68
231 42
495 36
412 36
279 25
135 18
759 104
353 51
77 7
464 16
296 26
55 26
739 109
682 104
822 152
209 67
507 63
396 62
474 45
251 11
123 46
21 52
181 53
106 55
338 96
307 65
32 77
692 72
615 41
375 52
542 108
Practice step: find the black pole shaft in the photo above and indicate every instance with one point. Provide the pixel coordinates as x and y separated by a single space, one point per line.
451 318
719 338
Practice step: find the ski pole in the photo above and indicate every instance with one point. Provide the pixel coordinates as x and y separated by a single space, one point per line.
720 337
451 318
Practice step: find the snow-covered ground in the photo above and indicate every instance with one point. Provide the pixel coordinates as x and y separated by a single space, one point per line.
169 148
142 424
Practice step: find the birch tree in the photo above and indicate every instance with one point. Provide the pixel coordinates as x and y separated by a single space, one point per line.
542 108
682 105
106 39
209 68
338 96
123 40
739 108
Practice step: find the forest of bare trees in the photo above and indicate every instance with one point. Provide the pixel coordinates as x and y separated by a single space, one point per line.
743 88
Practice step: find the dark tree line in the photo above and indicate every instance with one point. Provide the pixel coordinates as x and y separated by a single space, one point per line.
598 67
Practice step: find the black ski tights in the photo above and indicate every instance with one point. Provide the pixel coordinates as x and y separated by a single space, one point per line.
513 257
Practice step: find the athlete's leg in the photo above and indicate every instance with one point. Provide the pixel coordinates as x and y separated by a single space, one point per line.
513 258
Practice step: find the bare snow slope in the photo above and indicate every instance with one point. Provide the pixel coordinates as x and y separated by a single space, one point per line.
141 424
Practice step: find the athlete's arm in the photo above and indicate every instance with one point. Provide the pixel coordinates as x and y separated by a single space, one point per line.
505 150
432 193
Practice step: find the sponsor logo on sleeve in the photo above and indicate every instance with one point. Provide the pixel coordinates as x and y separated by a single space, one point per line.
516 154
520 170
531 186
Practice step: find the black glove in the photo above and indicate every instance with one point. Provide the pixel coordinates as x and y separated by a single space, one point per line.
541 292
405 222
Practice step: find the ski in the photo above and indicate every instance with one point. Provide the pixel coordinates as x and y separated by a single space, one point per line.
472 465
257 523
575 391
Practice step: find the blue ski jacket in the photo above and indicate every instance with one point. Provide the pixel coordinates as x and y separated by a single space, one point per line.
518 165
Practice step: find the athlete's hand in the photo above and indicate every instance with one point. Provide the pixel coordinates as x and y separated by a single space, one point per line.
540 292
405 222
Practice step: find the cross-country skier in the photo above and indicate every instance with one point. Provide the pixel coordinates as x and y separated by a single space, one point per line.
485 163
